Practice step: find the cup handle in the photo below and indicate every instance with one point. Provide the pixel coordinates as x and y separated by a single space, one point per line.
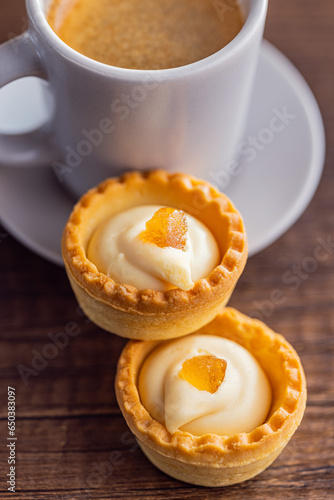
18 59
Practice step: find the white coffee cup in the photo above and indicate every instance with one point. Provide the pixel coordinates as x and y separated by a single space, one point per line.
108 119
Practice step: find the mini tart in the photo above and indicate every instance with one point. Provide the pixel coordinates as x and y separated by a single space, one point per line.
213 460
149 314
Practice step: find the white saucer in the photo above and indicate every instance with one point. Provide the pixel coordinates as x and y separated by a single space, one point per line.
274 189
271 191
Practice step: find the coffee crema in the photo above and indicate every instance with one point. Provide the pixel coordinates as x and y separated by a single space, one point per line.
146 34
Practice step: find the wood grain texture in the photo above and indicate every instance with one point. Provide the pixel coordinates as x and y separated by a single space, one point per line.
72 440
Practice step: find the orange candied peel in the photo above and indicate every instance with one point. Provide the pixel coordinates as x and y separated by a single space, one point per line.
167 228
205 372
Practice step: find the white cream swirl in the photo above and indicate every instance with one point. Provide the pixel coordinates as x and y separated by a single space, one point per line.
240 404
117 251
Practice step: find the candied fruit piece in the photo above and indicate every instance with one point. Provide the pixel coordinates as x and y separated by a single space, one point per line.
167 228
206 372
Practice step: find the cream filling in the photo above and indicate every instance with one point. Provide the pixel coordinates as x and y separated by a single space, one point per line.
240 404
117 251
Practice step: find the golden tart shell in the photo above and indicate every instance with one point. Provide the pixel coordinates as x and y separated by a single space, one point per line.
213 460
149 314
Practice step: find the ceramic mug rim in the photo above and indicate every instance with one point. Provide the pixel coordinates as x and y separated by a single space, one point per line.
256 14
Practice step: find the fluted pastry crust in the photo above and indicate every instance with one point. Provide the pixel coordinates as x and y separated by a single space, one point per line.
213 460
149 314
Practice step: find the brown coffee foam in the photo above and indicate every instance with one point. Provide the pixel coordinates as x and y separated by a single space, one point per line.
146 34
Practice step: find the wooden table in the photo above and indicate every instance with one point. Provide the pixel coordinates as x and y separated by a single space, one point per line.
68 421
